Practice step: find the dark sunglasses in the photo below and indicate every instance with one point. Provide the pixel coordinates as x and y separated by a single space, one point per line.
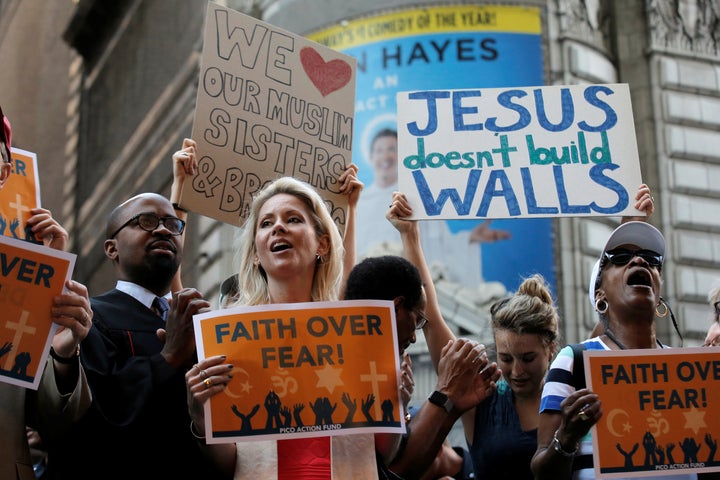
622 256
149 222
717 308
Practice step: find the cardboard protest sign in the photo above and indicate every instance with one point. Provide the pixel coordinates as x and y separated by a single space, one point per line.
518 152
30 276
270 103
303 370
19 195
659 411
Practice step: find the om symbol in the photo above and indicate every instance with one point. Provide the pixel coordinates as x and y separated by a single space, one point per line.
283 383
657 425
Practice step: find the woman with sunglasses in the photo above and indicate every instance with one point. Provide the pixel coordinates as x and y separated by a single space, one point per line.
644 202
627 300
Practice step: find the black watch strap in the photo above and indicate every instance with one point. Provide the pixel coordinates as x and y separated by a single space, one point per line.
441 400
66 360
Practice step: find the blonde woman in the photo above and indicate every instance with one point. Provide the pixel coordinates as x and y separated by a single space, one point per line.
290 251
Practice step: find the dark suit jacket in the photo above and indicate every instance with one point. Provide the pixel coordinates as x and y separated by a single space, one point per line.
138 425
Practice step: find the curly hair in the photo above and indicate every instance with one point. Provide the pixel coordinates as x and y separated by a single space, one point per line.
385 278
253 286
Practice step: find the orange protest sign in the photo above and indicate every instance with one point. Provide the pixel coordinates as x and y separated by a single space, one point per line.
659 411
19 195
303 370
30 276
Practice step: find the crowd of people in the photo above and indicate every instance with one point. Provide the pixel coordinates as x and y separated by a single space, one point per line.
124 387
63 395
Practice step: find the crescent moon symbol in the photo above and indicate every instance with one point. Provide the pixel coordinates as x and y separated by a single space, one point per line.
229 392
611 417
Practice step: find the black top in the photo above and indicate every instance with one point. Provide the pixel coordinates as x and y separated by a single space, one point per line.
138 425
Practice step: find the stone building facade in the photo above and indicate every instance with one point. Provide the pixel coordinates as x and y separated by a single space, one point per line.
104 92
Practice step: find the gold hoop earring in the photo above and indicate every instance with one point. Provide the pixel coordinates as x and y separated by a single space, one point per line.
601 306
664 312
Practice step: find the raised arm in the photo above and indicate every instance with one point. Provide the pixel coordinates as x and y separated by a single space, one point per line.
351 186
644 202
47 229
184 165
437 332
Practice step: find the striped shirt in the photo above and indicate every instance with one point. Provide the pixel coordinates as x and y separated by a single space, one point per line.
559 386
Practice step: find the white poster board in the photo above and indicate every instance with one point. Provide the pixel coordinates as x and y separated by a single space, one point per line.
518 152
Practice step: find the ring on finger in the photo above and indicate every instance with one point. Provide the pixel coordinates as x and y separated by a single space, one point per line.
583 415
208 382
203 374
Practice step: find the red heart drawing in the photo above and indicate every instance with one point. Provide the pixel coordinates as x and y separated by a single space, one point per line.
326 76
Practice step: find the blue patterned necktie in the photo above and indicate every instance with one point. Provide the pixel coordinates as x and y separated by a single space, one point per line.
161 306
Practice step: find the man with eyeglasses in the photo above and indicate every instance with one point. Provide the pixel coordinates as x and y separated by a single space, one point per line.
391 277
136 356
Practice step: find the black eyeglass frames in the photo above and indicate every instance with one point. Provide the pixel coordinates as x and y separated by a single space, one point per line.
622 256
149 222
